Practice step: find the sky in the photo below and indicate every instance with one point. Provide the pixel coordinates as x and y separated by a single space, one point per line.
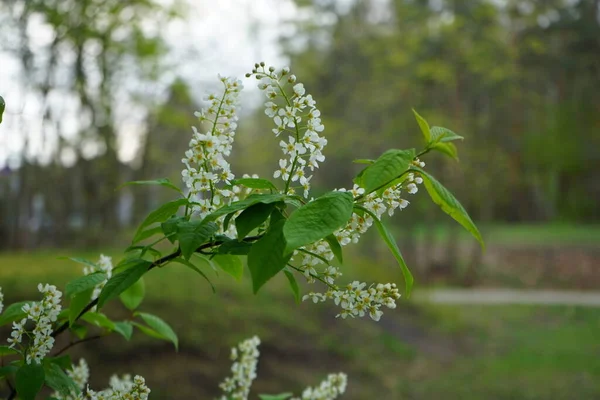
224 36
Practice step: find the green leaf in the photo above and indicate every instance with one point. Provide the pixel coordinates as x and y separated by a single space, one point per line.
29 380
146 330
84 283
192 234
294 202
335 247
126 264
161 214
194 268
281 396
123 280
447 148
247 202
162 182
98 319
227 220
64 314
79 330
132 297
62 361
317 219
6 351
78 303
424 126
149 249
169 227
125 329
235 247
2 107
160 327
293 285
255 183
363 161
266 257
230 264
13 312
449 204
147 233
387 168
439 134
251 218
58 380
440 141
391 243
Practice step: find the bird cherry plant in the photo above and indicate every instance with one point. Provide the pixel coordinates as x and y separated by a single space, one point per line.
275 224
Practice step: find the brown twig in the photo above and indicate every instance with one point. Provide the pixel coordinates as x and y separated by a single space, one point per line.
87 339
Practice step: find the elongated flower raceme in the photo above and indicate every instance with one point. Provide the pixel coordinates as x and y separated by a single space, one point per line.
245 360
43 314
358 299
120 388
329 389
245 356
207 170
123 388
295 115
1 301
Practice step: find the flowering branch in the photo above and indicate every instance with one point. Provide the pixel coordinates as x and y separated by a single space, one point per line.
225 218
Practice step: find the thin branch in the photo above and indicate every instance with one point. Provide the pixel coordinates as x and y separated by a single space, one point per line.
157 263
88 339
317 277
93 303
358 198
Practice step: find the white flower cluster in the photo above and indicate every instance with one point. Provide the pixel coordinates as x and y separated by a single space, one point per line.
1 301
43 314
357 300
245 357
329 389
80 375
297 116
205 164
121 389
103 265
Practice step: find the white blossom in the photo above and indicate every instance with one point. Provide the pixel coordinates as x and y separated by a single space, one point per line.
355 301
297 116
43 314
121 389
206 167
245 360
329 389
358 300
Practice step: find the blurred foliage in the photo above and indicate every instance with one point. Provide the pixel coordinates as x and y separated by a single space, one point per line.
93 66
516 78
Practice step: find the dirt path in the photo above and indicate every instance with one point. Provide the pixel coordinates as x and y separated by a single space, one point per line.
509 296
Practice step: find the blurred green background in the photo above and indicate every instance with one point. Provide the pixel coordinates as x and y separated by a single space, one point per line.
100 96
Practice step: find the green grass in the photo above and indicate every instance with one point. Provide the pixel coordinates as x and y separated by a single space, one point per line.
416 352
